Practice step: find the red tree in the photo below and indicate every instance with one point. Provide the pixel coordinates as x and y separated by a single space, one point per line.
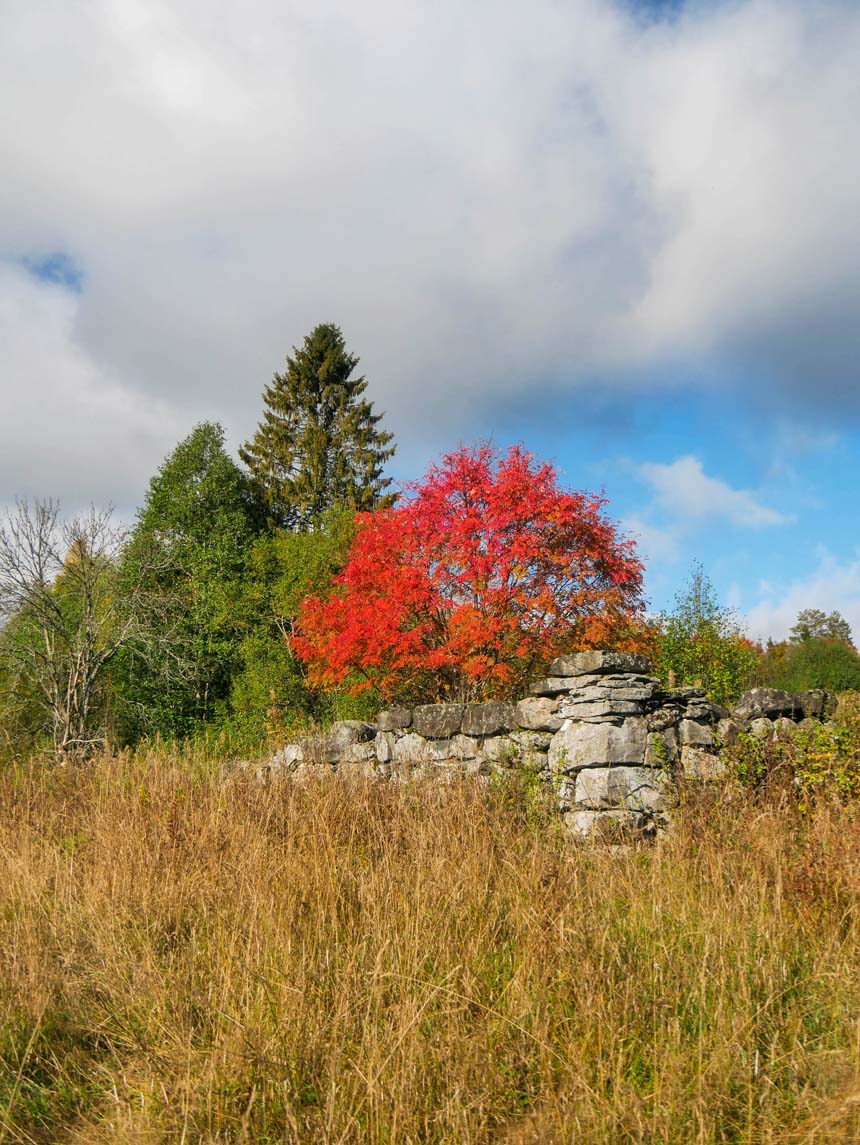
482 572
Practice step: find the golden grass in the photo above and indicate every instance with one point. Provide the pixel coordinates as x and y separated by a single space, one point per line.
183 959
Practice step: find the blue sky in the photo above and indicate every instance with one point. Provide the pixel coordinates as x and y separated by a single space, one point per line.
621 233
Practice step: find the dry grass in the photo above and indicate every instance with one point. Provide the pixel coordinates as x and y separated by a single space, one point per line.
187 960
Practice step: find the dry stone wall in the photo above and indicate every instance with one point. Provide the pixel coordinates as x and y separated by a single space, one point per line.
601 731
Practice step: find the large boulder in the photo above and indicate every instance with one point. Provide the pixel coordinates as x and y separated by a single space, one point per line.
816 704
578 745
767 704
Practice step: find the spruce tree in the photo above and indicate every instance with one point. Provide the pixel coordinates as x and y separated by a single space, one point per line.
318 444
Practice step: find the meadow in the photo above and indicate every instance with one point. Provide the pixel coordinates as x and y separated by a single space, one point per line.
188 956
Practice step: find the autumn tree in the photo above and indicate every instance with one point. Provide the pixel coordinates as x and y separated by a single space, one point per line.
480 574
318 444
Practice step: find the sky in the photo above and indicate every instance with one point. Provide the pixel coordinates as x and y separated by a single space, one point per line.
623 234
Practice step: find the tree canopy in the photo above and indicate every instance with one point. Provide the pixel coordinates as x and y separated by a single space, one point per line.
318 444
813 624
482 572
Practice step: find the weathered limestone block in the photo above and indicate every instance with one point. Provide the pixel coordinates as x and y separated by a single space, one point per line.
728 731
599 709
816 704
576 746
761 729
437 721
359 753
585 825
696 763
335 744
384 743
693 734
453 750
631 788
489 719
532 740
767 703
292 755
553 685
783 729
501 750
593 662
395 719
662 748
538 713
664 717
411 748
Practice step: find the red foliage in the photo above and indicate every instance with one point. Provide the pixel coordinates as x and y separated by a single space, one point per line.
483 571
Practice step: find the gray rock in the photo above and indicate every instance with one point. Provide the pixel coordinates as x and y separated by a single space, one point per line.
576 746
489 719
693 734
385 742
631 788
553 685
334 745
359 753
502 750
593 662
728 731
598 709
767 703
292 756
761 729
411 748
454 749
437 721
594 825
395 719
816 704
783 729
532 741
663 718
698 764
662 748
538 713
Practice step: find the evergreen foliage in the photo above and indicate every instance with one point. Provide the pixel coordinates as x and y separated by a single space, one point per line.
318 444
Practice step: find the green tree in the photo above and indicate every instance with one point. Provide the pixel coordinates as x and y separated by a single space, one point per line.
813 662
62 624
701 643
270 695
813 624
318 443
187 556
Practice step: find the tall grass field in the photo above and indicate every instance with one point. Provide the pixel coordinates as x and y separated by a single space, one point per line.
189 957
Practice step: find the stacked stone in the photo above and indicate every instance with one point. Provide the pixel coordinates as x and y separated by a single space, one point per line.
622 738
771 715
600 729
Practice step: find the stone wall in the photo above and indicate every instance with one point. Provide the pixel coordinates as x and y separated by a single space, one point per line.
600 730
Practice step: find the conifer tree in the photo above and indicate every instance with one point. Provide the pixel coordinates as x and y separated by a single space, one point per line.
318 444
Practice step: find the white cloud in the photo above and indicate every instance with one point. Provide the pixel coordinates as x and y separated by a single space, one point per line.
61 413
833 585
684 490
481 195
653 542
